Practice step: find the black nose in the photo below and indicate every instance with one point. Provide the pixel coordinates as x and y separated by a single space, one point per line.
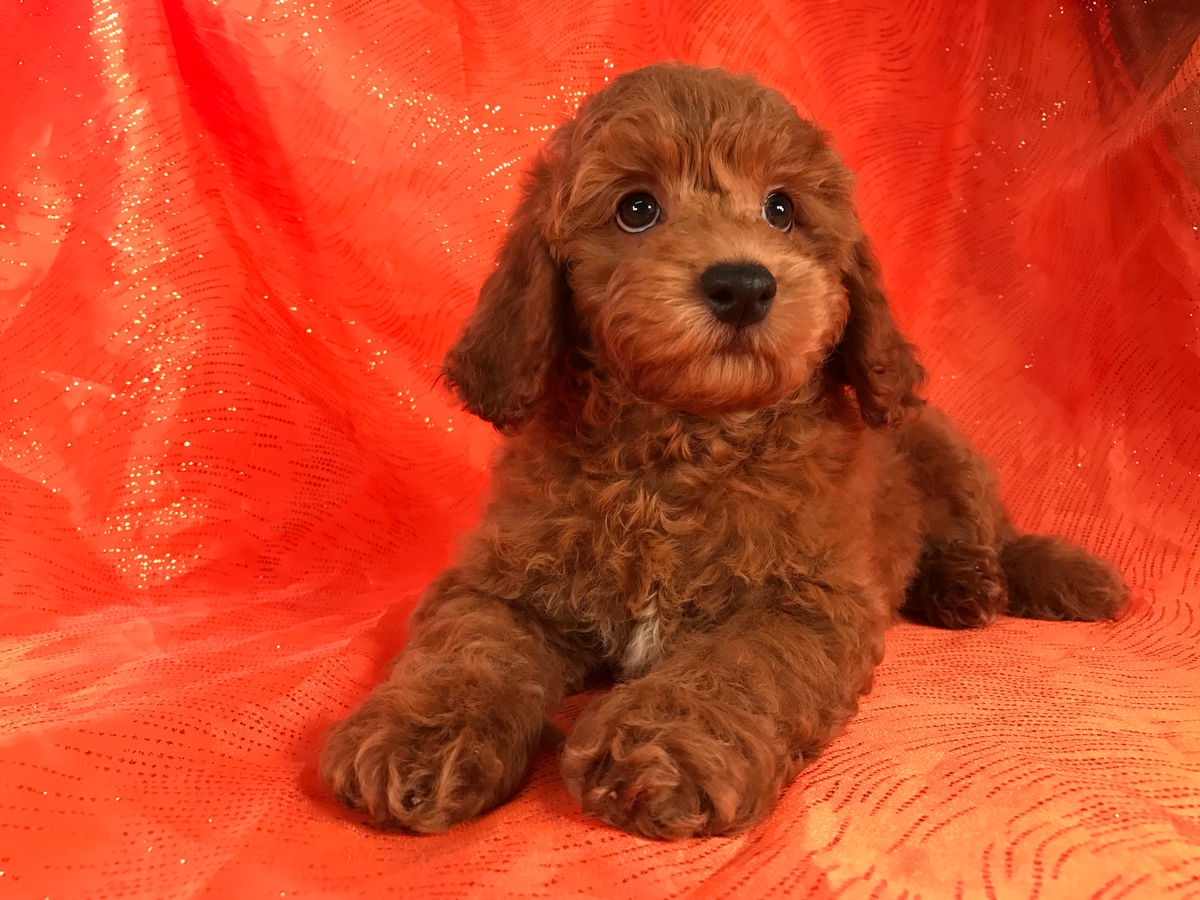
738 293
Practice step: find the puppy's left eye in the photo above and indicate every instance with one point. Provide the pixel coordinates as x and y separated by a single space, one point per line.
637 212
777 211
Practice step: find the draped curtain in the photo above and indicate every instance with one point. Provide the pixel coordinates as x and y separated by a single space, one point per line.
237 236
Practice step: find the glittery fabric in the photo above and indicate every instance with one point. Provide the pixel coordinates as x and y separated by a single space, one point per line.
235 238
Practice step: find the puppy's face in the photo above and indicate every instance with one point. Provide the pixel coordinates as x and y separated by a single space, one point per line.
695 238
704 228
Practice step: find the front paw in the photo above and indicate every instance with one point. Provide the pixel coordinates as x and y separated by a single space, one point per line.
658 763
421 769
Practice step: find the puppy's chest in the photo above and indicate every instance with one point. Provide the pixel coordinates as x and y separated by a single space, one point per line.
662 550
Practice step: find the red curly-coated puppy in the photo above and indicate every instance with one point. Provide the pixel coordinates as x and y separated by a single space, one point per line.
718 484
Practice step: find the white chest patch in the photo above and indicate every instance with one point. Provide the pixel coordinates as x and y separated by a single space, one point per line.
643 649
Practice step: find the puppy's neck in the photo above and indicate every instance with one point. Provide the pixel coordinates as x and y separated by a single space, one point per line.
594 417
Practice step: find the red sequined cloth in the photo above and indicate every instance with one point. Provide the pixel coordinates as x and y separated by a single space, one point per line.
235 238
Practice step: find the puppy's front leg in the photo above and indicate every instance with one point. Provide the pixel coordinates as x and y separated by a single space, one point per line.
450 734
704 743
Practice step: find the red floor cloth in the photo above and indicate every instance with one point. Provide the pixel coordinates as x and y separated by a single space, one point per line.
235 238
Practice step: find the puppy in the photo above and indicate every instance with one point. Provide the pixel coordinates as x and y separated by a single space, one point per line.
718 484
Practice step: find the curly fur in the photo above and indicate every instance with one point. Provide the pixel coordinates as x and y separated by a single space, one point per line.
723 519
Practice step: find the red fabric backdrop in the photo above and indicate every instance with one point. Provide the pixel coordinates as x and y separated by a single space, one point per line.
235 238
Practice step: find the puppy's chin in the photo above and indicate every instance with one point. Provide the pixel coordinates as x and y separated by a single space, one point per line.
690 362
729 380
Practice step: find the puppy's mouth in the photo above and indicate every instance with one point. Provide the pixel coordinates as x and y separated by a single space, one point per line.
725 338
739 342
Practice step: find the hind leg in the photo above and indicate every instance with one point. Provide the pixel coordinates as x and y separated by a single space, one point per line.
959 582
1049 578
974 566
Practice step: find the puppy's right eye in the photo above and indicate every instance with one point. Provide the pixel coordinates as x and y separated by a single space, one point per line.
637 212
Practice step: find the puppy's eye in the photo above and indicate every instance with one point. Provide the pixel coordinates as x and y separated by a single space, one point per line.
637 212
777 211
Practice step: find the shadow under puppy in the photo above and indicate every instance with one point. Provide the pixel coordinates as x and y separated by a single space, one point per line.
718 484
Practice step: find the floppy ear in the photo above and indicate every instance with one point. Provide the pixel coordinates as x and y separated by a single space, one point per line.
499 365
872 357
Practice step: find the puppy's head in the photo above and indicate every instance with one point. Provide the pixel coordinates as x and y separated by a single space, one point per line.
698 239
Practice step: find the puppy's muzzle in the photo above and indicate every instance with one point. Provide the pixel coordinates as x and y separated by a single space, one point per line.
738 293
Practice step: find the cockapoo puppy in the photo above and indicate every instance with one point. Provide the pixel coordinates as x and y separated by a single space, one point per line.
718 484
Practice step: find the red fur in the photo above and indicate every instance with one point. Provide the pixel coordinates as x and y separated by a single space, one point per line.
725 520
